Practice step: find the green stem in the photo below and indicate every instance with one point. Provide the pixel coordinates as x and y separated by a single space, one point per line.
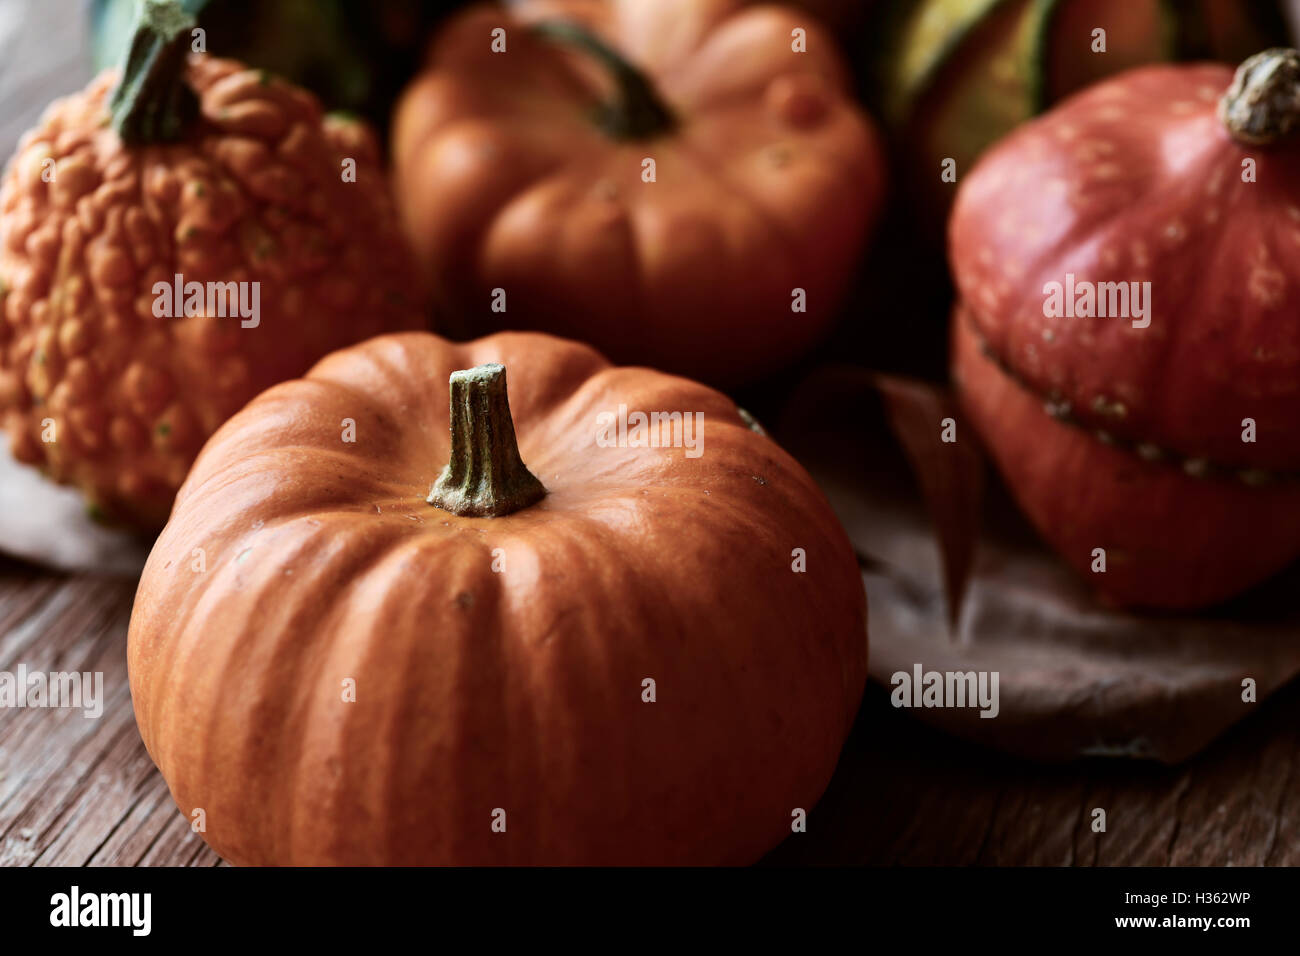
152 103
1262 105
485 477
636 112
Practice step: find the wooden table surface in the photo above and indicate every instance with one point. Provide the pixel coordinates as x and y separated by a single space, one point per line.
76 790
79 791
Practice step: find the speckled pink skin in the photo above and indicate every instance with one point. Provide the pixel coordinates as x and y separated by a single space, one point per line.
1136 179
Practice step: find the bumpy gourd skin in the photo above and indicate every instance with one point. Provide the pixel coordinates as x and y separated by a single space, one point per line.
254 193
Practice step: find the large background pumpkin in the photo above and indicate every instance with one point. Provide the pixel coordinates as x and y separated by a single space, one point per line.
1126 438
954 76
96 387
499 662
523 171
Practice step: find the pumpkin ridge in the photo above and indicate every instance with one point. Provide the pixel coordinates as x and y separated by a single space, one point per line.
1177 543
327 742
474 242
647 561
362 475
705 163
519 685
664 252
827 68
291 749
340 564
1192 466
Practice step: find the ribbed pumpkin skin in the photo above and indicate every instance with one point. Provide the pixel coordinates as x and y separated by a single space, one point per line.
769 182
476 689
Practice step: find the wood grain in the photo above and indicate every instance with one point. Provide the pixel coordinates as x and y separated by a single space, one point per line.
906 794
76 791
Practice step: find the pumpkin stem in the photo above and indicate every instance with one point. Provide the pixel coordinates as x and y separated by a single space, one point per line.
152 103
1262 105
636 112
485 477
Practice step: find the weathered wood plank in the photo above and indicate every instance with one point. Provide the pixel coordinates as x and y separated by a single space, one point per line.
75 791
139 826
905 794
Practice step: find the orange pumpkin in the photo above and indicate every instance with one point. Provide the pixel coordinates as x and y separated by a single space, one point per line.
209 171
620 660
656 177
